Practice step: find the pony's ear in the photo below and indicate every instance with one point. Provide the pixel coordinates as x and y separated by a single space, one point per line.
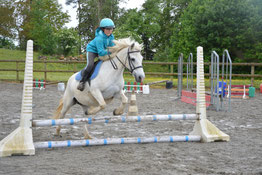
132 46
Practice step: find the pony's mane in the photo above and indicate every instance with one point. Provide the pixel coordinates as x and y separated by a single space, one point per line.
124 43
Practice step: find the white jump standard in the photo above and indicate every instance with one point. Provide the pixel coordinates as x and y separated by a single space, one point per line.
21 140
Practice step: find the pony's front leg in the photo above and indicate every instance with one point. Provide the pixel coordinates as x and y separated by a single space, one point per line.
100 100
124 100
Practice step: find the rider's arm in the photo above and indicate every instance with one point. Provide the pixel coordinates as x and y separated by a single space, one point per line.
111 43
100 48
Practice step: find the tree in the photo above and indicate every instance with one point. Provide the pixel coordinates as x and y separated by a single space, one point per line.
67 41
7 19
142 25
255 50
77 3
22 18
90 12
131 23
150 27
153 24
170 14
217 25
44 18
6 43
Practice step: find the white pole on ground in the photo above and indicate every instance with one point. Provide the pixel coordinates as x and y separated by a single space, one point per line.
113 141
20 141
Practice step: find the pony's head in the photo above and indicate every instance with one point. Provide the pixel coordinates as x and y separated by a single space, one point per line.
129 52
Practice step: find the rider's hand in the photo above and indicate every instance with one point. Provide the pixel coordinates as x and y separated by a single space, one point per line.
107 57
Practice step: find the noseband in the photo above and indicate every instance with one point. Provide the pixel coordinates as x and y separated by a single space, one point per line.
131 65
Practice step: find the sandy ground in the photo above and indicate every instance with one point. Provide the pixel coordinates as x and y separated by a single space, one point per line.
241 155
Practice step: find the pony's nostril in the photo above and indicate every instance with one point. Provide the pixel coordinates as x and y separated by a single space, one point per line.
140 79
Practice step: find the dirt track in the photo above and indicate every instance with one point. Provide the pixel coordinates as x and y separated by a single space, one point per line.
242 155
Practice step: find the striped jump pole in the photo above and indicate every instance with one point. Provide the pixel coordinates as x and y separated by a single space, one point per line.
114 141
39 84
115 119
130 86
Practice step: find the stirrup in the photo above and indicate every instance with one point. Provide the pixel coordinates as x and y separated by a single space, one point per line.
81 86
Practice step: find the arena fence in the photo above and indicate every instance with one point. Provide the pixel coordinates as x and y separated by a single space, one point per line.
170 66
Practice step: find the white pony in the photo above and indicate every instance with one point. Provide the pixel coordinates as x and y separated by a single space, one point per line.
107 84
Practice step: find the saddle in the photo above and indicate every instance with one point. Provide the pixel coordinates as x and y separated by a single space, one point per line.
93 73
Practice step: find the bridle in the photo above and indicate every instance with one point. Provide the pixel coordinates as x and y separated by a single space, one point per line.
131 65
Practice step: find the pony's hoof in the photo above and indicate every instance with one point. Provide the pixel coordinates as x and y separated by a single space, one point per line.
117 113
87 135
58 135
86 112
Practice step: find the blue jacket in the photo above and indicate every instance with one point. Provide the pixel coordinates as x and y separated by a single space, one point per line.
100 43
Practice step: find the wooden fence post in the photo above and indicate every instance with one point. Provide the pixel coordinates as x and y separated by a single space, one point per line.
17 71
171 71
252 74
45 71
75 68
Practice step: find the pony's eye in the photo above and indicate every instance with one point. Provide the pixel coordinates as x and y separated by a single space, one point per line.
133 59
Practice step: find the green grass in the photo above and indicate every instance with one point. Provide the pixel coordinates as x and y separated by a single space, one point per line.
6 54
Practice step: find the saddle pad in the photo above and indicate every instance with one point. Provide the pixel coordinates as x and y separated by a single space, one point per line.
78 76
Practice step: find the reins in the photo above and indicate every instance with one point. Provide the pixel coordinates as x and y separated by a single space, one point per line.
132 67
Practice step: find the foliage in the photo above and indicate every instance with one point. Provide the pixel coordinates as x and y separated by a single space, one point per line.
41 20
67 41
142 25
6 43
130 21
7 19
165 27
153 25
172 10
45 23
217 25
90 14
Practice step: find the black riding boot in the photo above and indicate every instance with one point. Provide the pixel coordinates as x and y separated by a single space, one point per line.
81 86
85 77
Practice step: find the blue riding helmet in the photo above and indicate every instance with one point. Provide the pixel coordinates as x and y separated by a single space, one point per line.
106 22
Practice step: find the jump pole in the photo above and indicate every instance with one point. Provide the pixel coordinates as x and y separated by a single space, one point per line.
115 119
114 141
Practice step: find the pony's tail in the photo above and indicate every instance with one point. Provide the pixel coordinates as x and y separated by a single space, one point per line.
58 110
